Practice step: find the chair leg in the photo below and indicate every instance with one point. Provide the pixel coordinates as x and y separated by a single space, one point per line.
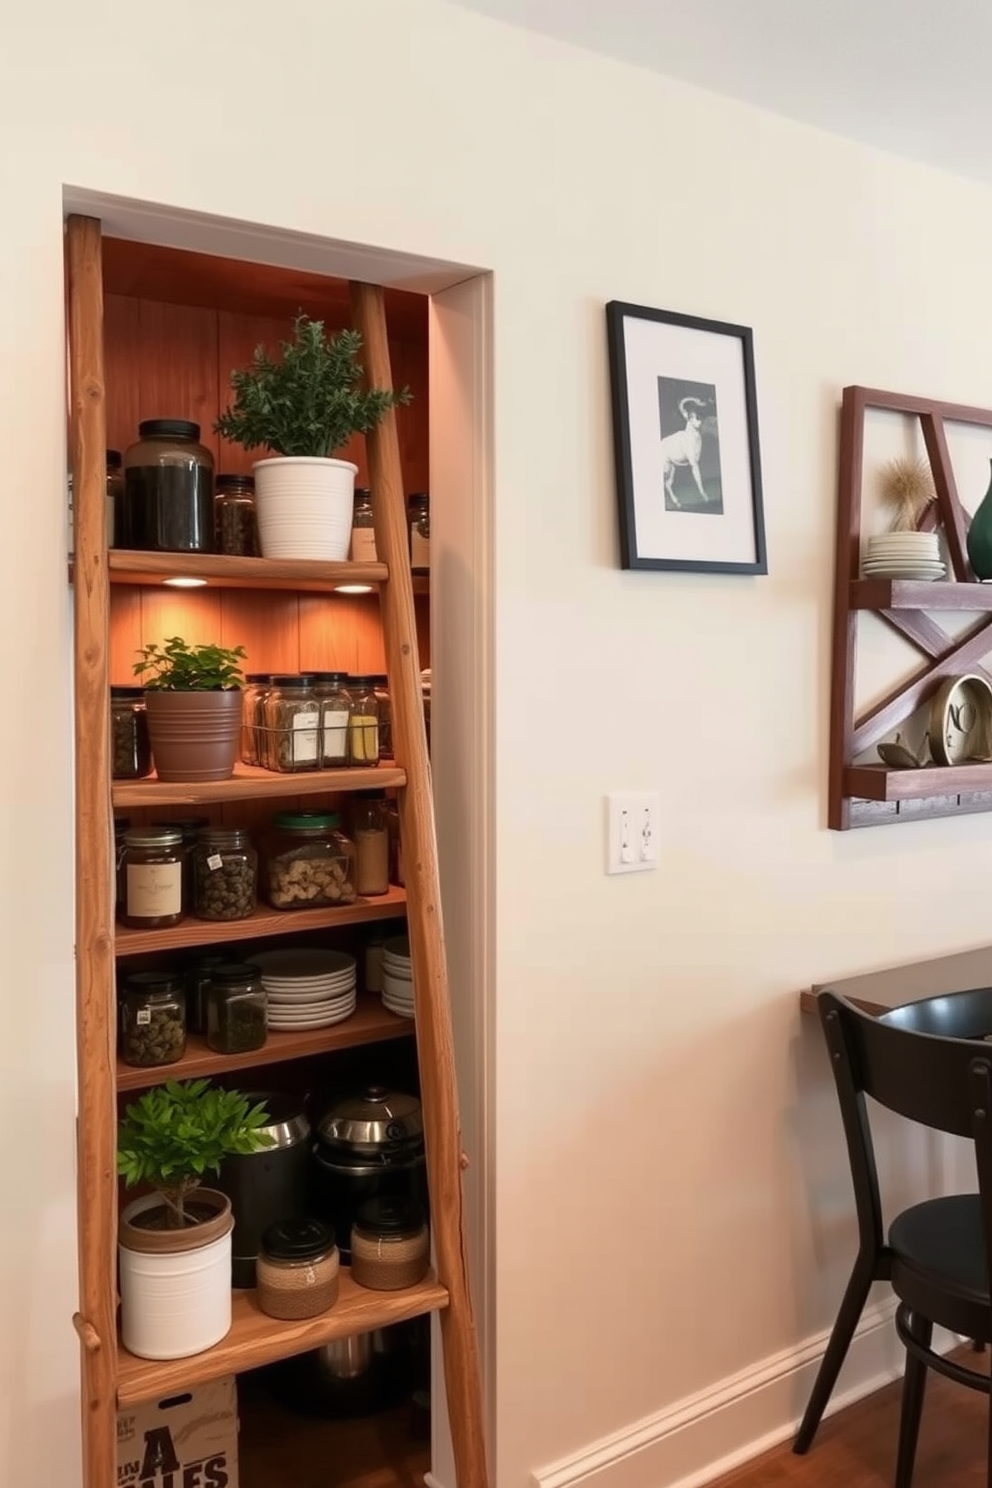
913 1388
851 1308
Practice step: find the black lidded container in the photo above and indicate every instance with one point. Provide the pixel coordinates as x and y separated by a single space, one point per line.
268 1185
168 504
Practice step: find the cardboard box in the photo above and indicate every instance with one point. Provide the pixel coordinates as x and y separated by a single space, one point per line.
185 1440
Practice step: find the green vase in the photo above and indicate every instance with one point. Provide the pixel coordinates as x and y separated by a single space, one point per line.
980 537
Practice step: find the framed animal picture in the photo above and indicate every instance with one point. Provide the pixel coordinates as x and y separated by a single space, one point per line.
685 438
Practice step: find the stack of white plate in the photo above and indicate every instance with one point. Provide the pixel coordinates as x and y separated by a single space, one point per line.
307 988
904 555
397 976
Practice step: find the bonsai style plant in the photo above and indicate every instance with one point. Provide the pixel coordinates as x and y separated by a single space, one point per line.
175 1243
194 707
303 408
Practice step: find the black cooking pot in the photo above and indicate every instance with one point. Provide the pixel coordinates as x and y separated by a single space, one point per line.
367 1147
268 1185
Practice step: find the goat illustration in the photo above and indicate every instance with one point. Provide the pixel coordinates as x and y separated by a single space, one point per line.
684 448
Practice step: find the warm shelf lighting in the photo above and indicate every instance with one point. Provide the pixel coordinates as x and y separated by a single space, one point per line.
183 583
353 588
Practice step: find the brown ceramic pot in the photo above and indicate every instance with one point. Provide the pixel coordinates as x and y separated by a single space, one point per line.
194 735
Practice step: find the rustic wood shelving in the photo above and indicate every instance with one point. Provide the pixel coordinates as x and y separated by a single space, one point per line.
249 783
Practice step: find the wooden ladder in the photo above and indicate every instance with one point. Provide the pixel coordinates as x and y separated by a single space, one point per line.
95 1322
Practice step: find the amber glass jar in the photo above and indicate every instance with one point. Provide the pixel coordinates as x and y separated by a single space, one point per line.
234 516
308 862
152 878
168 502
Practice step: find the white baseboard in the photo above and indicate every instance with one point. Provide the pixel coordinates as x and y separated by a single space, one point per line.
706 1434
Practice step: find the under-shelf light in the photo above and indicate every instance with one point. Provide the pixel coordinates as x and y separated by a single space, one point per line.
179 582
353 588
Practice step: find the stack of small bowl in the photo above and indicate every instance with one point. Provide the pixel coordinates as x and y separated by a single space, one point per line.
397 976
904 555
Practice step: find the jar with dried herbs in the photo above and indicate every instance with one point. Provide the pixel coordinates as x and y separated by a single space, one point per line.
256 685
225 874
335 709
130 750
237 1008
153 1019
308 862
292 725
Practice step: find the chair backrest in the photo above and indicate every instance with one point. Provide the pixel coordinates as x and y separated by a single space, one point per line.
926 1061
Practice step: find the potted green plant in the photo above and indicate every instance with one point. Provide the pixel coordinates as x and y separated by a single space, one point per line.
194 706
303 408
175 1243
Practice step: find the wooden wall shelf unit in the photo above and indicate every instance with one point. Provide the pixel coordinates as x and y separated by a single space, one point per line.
151 332
869 794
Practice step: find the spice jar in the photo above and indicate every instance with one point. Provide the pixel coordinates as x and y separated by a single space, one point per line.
234 515
256 685
308 861
152 878
363 722
418 509
335 708
130 751
237 1008
197 985
292 725
225 874
153 1019
380 686
168 489
363 528
190 828
297 1269
390 1244
370 830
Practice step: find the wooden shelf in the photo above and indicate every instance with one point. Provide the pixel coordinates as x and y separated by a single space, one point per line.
263 922
256 1339
878 783
252 784
905 594
371 1023
127 567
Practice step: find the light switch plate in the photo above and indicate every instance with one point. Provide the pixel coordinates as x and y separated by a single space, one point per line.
632 824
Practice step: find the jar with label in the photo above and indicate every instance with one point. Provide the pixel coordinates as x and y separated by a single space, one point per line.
237 1008
196 986
419 522
152 878
370 829
390 1244
308 862
335 708
153 1019
363 528
363 722
130 750
297 1269
190 828
225 874
380 684
256 684
234 515
292 725
168 502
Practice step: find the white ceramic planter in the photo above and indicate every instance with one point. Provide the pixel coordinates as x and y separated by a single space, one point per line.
174 1303
304 507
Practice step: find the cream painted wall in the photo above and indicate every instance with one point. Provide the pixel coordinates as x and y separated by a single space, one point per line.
662 1191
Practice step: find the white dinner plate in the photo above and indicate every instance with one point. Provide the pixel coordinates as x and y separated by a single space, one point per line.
303 961
310 1023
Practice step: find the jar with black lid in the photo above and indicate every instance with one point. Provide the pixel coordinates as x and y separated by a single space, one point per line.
297 1269
234 513
363 722
380 685
168 490
363 528
292 724
237 1008
130 750
390 1244
225 874
153 1019
197 985
190 828
152 878
335 707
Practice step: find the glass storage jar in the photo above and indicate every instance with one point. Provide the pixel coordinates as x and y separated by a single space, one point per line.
255 687
115 496
196 986
370 830
121 825
335 708
189 828
292 725
130 751
234 516
297 1269
419 522
237 1008
363 722
152 878
308 862
153 1019
225 874
390 1244
168 489
363 528
380 684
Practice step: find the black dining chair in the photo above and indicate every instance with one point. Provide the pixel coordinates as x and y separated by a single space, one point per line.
926 1061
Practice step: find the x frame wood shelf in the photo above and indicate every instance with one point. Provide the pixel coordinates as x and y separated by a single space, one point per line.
869 794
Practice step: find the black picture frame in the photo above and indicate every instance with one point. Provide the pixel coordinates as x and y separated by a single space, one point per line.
685 440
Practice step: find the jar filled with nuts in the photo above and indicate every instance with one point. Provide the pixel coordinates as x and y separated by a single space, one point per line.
152 878
130 752
225 874
237 1008
308 862
292 725
153 1019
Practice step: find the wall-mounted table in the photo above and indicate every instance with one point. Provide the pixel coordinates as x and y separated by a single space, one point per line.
877 991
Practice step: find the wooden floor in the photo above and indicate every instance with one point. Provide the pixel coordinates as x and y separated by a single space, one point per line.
857 1447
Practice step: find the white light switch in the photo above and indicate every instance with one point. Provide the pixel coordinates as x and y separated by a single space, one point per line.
632 821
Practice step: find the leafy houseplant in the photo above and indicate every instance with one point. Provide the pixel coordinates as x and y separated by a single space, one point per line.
303 407
194 708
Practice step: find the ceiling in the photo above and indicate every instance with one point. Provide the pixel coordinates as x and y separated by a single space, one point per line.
911 76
